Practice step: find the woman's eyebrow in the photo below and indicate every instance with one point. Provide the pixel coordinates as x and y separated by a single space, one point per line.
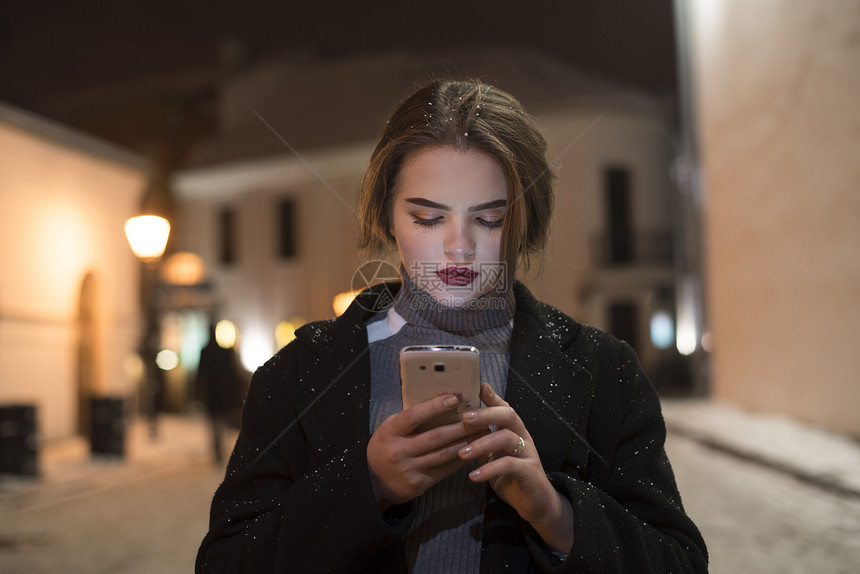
427 203
489 205
433 205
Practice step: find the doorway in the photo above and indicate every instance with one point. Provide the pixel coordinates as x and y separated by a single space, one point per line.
89 350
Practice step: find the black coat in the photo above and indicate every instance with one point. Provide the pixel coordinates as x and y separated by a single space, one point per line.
297 495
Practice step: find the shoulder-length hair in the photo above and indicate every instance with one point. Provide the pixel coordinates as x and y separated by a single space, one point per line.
464 115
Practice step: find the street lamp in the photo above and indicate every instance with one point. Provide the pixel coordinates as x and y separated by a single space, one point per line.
147 235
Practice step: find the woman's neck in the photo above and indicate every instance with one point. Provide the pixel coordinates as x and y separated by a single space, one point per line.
489 310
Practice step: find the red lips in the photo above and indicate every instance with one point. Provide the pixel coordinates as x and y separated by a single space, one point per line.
457 276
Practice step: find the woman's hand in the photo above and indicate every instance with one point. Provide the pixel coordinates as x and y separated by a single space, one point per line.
403 464
513 470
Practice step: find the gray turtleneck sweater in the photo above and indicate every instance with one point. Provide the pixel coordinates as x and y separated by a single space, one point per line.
446 534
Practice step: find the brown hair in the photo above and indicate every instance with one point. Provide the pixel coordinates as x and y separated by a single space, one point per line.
466 115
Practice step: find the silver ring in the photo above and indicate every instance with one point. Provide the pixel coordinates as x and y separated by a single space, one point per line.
521 446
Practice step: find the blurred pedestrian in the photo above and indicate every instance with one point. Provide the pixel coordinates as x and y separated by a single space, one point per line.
218 381
153 383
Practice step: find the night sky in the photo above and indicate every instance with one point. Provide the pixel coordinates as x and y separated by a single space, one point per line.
54 52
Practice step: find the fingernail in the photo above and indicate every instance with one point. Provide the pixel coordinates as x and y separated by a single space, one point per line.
466 449
490 390
475 473
450 402
470 414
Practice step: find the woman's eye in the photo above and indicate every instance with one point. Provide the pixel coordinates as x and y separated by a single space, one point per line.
490 223
428 221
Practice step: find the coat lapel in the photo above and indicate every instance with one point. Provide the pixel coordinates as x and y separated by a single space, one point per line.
550 392
552 396
337 386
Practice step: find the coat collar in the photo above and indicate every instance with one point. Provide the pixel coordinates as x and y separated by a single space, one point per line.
334 381
550 392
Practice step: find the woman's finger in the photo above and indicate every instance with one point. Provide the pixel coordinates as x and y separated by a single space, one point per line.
503 466
409 419
497 413
503 442
490 398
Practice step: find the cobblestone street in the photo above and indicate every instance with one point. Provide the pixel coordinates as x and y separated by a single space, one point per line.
147 515
138 526
140 516
758 520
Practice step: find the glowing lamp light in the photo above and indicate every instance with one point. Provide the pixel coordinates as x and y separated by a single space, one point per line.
662 330
342 301
285 332
147 235
685 341
687 334
225 334
256 347
706 342
167 360
183 268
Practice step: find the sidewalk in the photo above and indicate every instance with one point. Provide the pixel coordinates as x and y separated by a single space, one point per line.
826 459
147 512
823 458
68 470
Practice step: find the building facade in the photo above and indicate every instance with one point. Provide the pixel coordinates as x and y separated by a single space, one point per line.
774 88
69 292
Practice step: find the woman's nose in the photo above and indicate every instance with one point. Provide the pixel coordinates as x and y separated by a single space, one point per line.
459 245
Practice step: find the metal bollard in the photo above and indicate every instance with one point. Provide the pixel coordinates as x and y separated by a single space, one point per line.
107 428
19 441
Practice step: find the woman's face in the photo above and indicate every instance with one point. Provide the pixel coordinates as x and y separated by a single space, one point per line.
447 220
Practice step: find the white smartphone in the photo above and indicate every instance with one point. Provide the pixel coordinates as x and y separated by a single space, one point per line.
427 371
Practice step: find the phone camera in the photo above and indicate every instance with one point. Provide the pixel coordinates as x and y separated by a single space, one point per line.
439 367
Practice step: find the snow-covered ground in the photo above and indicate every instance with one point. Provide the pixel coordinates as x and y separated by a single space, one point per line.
737 473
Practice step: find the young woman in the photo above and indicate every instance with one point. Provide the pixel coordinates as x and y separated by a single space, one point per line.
329 475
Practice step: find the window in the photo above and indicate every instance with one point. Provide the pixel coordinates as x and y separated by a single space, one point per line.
286 229
619 223
227 236
624 323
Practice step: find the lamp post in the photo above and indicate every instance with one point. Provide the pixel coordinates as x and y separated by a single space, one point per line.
147 235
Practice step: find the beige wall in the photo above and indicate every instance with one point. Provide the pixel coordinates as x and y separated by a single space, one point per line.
583 142
259 290
61 217
778 86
